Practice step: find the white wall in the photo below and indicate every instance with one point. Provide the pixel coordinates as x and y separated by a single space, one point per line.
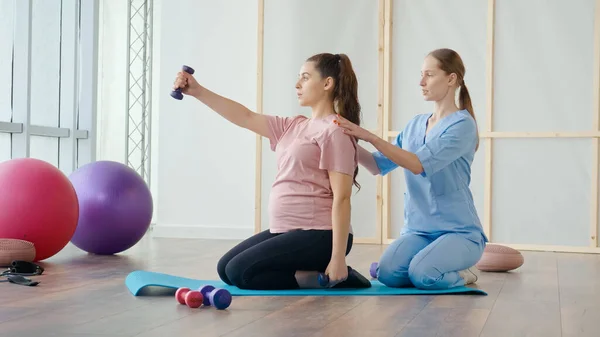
206 164
464 25
112 87
543 82
289 40
203 167
47 81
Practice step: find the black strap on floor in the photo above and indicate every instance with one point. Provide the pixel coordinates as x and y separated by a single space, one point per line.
21 280
25 268
19 269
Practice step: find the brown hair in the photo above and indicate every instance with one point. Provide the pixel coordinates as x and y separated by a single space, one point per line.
345 92
450 62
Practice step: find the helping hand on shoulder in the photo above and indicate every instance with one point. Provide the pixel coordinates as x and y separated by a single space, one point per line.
352 129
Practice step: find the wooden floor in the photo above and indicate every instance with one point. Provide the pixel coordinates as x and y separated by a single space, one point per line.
553 294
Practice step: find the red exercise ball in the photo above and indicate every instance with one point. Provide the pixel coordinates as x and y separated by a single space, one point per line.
37 204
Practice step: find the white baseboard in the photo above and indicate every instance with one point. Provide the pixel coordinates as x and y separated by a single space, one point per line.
201 232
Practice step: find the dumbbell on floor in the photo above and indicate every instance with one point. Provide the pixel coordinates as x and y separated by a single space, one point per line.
373 269
206 295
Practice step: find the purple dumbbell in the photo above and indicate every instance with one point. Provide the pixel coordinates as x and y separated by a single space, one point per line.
177 92
205 290
373 269
220 298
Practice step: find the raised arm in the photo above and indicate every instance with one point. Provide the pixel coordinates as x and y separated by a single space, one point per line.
231 110
397 155
377 163
234 112
458 138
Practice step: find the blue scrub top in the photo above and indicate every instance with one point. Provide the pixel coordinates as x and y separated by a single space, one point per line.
438 200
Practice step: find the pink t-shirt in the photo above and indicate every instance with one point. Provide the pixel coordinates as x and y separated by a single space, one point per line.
306 149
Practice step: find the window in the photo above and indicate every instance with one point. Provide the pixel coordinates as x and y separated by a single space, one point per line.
48 62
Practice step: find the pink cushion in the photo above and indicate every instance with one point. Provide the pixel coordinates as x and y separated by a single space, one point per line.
499 258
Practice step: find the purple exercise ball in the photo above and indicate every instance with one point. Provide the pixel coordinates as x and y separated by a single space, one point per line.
115 207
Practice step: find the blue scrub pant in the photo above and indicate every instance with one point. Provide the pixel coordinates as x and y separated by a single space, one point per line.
429 261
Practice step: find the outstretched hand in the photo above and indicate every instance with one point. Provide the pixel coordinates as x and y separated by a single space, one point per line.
187 83
353 129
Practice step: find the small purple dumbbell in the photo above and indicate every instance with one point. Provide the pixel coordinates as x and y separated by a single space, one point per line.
220 298
205 290
177 92
373 269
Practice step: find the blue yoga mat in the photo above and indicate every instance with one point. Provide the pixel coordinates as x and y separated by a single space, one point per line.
139 279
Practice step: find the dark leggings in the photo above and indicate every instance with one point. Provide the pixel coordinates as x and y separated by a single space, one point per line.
270 261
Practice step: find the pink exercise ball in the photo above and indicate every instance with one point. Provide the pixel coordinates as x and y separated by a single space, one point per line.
37 204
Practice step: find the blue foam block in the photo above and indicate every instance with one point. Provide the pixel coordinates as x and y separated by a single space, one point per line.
140 279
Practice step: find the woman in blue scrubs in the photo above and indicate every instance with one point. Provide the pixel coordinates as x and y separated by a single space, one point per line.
442 236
